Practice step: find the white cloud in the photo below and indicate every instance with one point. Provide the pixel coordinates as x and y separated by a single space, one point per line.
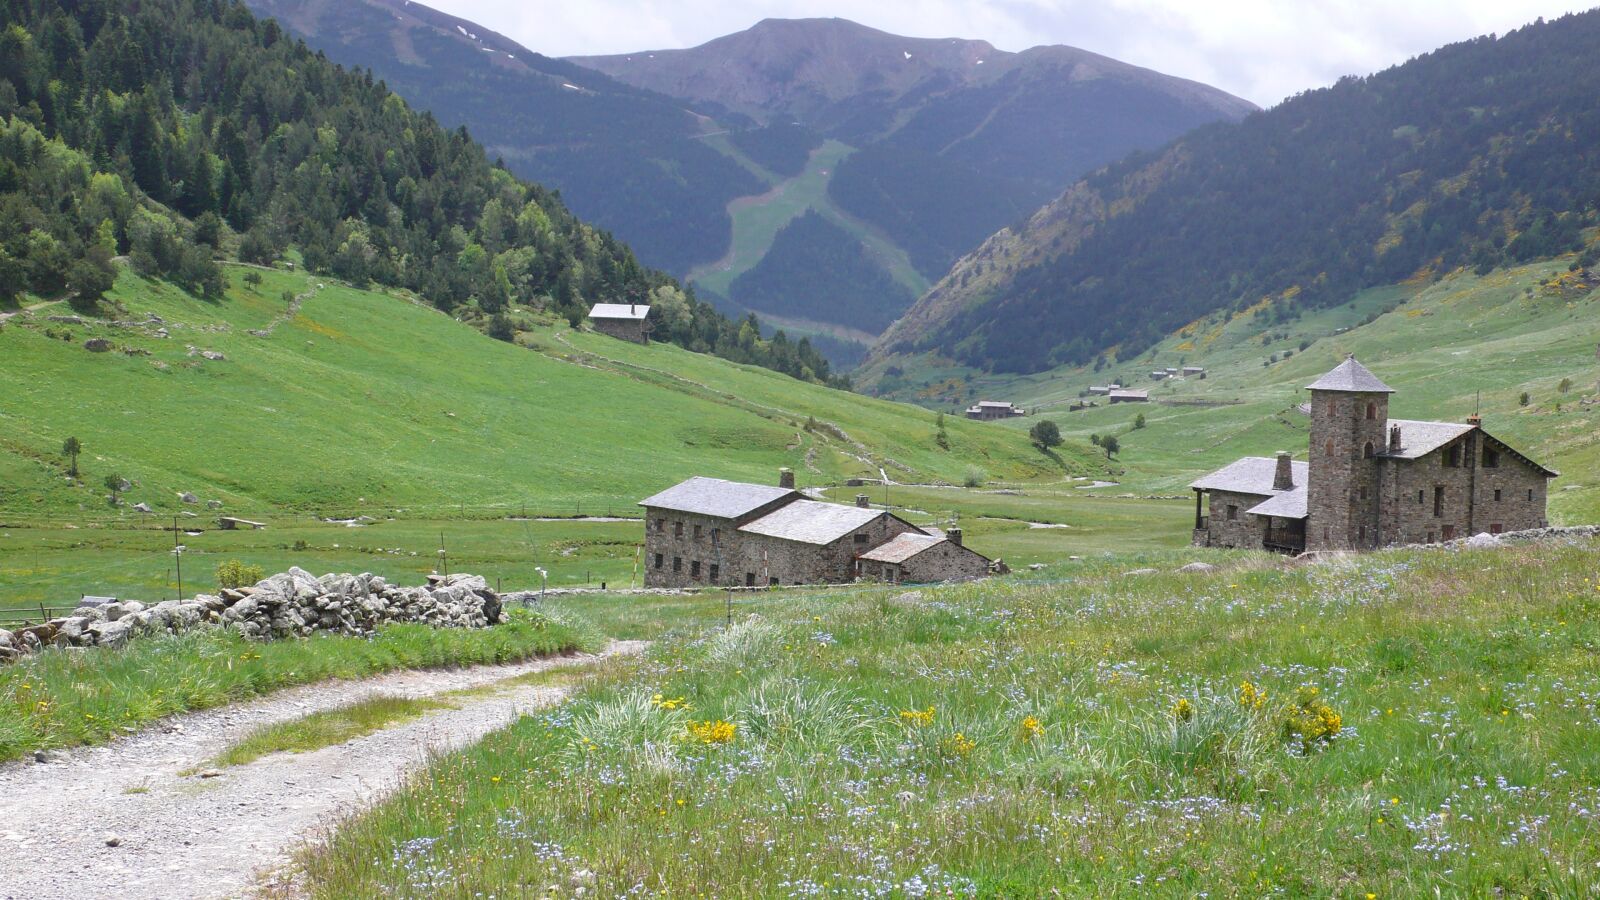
1263 50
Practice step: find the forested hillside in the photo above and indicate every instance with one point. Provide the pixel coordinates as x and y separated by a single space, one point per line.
1479 154
817 271
178 131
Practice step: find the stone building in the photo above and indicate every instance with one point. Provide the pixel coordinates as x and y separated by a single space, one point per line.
1127 396
991 410
624 321
1371 481
706 532
920 558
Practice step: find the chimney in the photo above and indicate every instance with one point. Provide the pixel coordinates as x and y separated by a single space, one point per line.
953 535
1474 420
786 478
1394 439
1283 479
863 501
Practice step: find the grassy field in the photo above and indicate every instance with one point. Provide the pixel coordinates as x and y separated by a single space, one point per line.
57 699
1448 347
368 405
1410 723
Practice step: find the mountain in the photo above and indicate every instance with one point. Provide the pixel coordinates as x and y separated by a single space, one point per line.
1479 154
944 140
181 132
627 159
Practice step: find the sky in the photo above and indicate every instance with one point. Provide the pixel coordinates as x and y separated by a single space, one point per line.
1262 50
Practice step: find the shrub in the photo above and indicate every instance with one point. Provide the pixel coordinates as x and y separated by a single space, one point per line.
1524 399
1138 421
1045 434
232 575
1565 385
1309 722
974 477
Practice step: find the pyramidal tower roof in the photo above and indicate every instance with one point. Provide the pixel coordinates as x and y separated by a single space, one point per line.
1351 377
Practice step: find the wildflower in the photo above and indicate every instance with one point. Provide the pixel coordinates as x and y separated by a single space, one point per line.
1183 710
713 732
919 718
660 701
1310 721
1030 729
1251 697
960 745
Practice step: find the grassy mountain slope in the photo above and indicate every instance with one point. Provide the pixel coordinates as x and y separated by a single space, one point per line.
1440 344
365 401
1481 154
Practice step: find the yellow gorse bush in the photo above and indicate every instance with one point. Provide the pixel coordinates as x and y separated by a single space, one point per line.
713 731
1310 721
1251 697
917 718
1030 729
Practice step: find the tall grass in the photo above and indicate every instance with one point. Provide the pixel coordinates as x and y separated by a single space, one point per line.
67 698
1089 737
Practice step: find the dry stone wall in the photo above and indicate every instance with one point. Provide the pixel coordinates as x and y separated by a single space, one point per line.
291 604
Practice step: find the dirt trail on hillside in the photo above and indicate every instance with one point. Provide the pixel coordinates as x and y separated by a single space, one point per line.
185 836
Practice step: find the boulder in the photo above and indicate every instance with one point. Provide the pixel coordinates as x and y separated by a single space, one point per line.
97 345
214 356
188 497
7 642
142 507
112 634
1198 567
213 504
1483 540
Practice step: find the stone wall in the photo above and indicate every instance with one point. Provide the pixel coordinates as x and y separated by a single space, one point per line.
622 329
1469 506
941 562
1341 469
1244 531
292 604
716 543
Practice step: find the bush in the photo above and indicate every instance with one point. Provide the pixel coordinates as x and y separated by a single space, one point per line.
1565 385
1524 399
232 575
1138 421
974 477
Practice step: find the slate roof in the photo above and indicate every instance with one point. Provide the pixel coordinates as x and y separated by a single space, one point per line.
619 311
1287 505
812 521
1418 439
1129 395
1251 475
1351 377
715 497
903 547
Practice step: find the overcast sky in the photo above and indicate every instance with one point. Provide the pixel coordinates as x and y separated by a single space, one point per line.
1262 50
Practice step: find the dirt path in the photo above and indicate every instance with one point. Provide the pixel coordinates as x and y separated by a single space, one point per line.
4 316
187 836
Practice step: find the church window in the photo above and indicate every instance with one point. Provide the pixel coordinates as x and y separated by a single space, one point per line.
1233 513
1497 495
1367 452
1372 411
1438 501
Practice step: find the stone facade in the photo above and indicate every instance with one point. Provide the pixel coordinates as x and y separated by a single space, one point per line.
623 321
774 561
1373 481
684 550
943 561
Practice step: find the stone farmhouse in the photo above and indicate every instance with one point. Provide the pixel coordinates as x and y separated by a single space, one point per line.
1371 481
706 532
990 410
1127 396
624 321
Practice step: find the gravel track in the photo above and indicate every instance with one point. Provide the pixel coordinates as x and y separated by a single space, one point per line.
182 836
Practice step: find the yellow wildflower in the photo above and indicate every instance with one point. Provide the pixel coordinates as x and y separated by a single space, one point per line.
1251 697
918 718
713 732
1183 710
1030 729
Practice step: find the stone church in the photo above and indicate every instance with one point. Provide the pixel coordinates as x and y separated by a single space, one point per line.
1371 481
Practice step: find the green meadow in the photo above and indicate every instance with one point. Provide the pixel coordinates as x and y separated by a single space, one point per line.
408 430
1449 347
1411 723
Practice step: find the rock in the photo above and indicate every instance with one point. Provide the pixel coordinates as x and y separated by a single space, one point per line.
1483 540
112 634
214 356
71 627
188 497
1036 567
211 773
67 320
113 841
1198 567
142 507
213 504
48 756
97 345
111 612
6 640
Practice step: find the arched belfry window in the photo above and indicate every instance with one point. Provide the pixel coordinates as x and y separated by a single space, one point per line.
1372 414
1367 453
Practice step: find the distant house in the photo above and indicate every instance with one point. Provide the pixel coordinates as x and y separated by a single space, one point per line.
1371 481
1128 397
1192 371
918 558
1159 375
706 532
990 410
624 321
1100 390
